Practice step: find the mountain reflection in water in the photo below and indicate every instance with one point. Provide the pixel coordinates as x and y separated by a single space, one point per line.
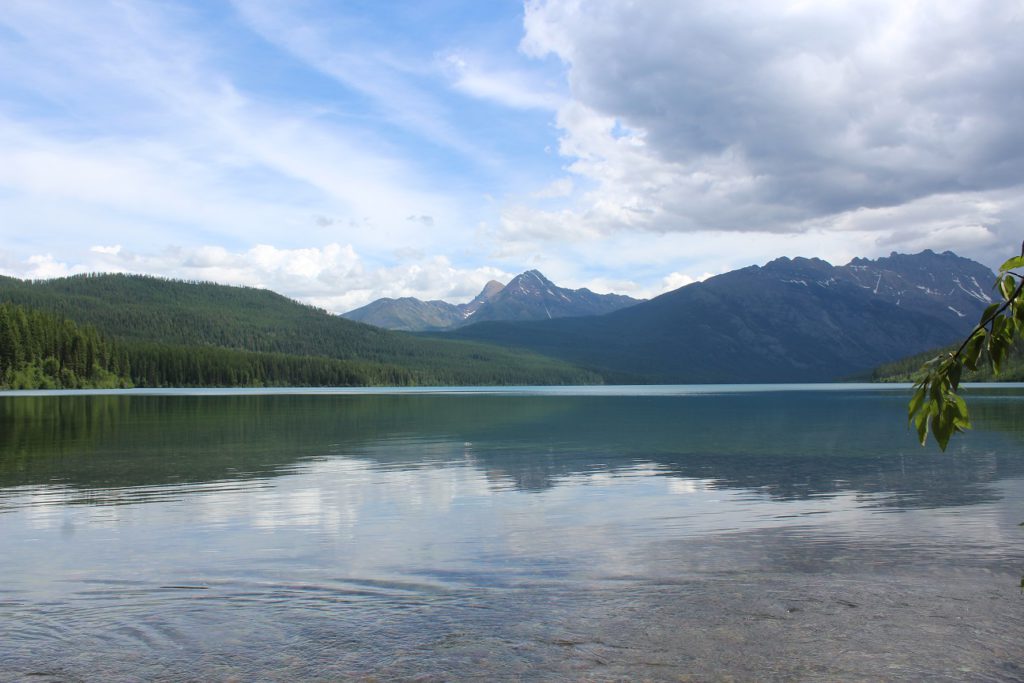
764 535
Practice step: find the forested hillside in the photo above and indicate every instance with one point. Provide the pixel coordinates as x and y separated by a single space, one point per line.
908 369
41 351
202 334
136 307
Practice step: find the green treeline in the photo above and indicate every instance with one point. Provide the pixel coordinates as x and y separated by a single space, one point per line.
169 333
909 369
156 310
158 365
42 351
162 365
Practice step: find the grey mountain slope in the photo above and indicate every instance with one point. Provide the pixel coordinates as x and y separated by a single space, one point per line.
410 314
490 290
791 320
407 314
529 296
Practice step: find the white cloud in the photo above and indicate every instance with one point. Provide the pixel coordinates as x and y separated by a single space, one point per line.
43 266
506 87
777 117
562 187
693 138
333 277
677 280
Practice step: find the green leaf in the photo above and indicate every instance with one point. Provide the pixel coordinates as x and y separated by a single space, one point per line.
1015 262
955 370
916 402
998 325
1007 287
989 310
962 421
998 349
935 404
973 350
942 429
921 425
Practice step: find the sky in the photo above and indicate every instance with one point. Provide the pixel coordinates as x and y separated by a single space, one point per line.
341 151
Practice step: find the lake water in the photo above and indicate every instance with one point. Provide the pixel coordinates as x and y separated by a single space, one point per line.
651 533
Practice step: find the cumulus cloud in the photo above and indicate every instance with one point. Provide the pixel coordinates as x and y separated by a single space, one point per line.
44 266
562 187
784 116
677 280
333 277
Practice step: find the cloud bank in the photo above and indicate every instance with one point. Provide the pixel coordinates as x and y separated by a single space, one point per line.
899 117
333 277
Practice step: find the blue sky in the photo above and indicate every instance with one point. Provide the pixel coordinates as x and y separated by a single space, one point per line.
342 151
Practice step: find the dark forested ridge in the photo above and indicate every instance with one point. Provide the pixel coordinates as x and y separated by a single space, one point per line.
41 351
909 369
201 334
144 308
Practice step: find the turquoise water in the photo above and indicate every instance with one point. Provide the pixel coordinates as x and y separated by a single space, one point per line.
600 533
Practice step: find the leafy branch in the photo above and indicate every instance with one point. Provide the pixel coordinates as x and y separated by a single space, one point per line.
935 405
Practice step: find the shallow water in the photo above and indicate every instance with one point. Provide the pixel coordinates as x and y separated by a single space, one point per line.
598 534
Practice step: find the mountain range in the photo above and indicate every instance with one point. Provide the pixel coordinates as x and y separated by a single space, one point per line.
791 320
528 296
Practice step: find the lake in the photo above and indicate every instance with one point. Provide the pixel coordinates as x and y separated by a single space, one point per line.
602 533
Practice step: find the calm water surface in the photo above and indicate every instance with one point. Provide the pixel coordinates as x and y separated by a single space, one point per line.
726 533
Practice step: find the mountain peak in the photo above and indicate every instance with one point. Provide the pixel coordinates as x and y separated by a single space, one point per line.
531 296
806 267
530 281
533 274
528 296
491 288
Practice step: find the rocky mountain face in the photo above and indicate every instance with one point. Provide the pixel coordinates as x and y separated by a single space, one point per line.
790 320
414 315
529 296
940 284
